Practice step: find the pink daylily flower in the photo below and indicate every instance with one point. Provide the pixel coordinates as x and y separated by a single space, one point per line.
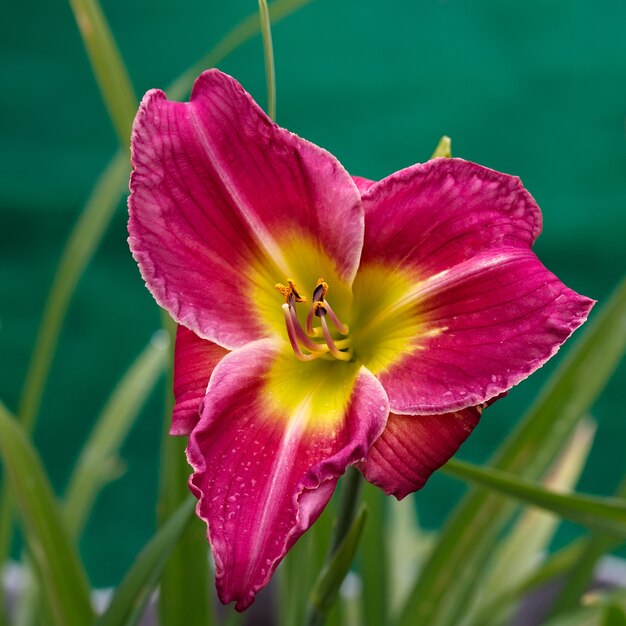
324 320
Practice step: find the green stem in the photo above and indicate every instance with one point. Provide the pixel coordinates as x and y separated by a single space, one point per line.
346 513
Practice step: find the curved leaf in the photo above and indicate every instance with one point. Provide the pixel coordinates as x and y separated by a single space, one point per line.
130 598
60 571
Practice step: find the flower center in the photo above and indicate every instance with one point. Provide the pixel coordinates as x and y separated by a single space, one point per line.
317 340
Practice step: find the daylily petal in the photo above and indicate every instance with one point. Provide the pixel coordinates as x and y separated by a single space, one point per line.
363 184
484 325
412 447
453 306
194 361
274 436
434 215
224 204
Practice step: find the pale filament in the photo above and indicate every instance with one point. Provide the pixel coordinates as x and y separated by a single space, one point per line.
293 340
343 356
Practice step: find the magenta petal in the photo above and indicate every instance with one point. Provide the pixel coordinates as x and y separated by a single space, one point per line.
488 324
436 214
412 447
263 476
194 361
363 184
217 192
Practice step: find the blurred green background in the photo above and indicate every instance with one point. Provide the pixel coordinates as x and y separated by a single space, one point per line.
536 89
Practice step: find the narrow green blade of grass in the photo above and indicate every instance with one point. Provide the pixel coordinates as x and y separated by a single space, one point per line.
241 33
186 587
373 559
442 592
130 598
58 566
519 551
553 567
99 460
108 66
326 589
407 547
602 514
298 571
79 250
268 53
580 575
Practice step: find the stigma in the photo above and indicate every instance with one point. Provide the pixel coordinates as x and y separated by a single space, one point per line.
316 339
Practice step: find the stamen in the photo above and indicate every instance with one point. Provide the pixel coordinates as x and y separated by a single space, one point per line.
338 354
310 331
291 333
302 336
290 290
342 328
320 291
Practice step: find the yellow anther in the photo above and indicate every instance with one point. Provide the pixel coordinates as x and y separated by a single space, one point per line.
290 290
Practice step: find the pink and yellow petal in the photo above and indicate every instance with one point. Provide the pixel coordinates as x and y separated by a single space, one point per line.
222 200
194 362
412 447
274 436
476 330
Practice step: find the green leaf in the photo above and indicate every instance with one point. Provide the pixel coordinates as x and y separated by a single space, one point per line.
555 566
268 53
581 573
130 598
601 514
443 149
99 462
325 591
613 616
407 546
442 593
373 560
60 571
522 548
108 66
78 251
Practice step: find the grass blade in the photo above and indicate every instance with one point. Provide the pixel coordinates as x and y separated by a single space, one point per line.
521 549
60 571
442 593
108 66
98 462
581 573
373 559
326 589
408 546
130 598
601 514
241 33
268 53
